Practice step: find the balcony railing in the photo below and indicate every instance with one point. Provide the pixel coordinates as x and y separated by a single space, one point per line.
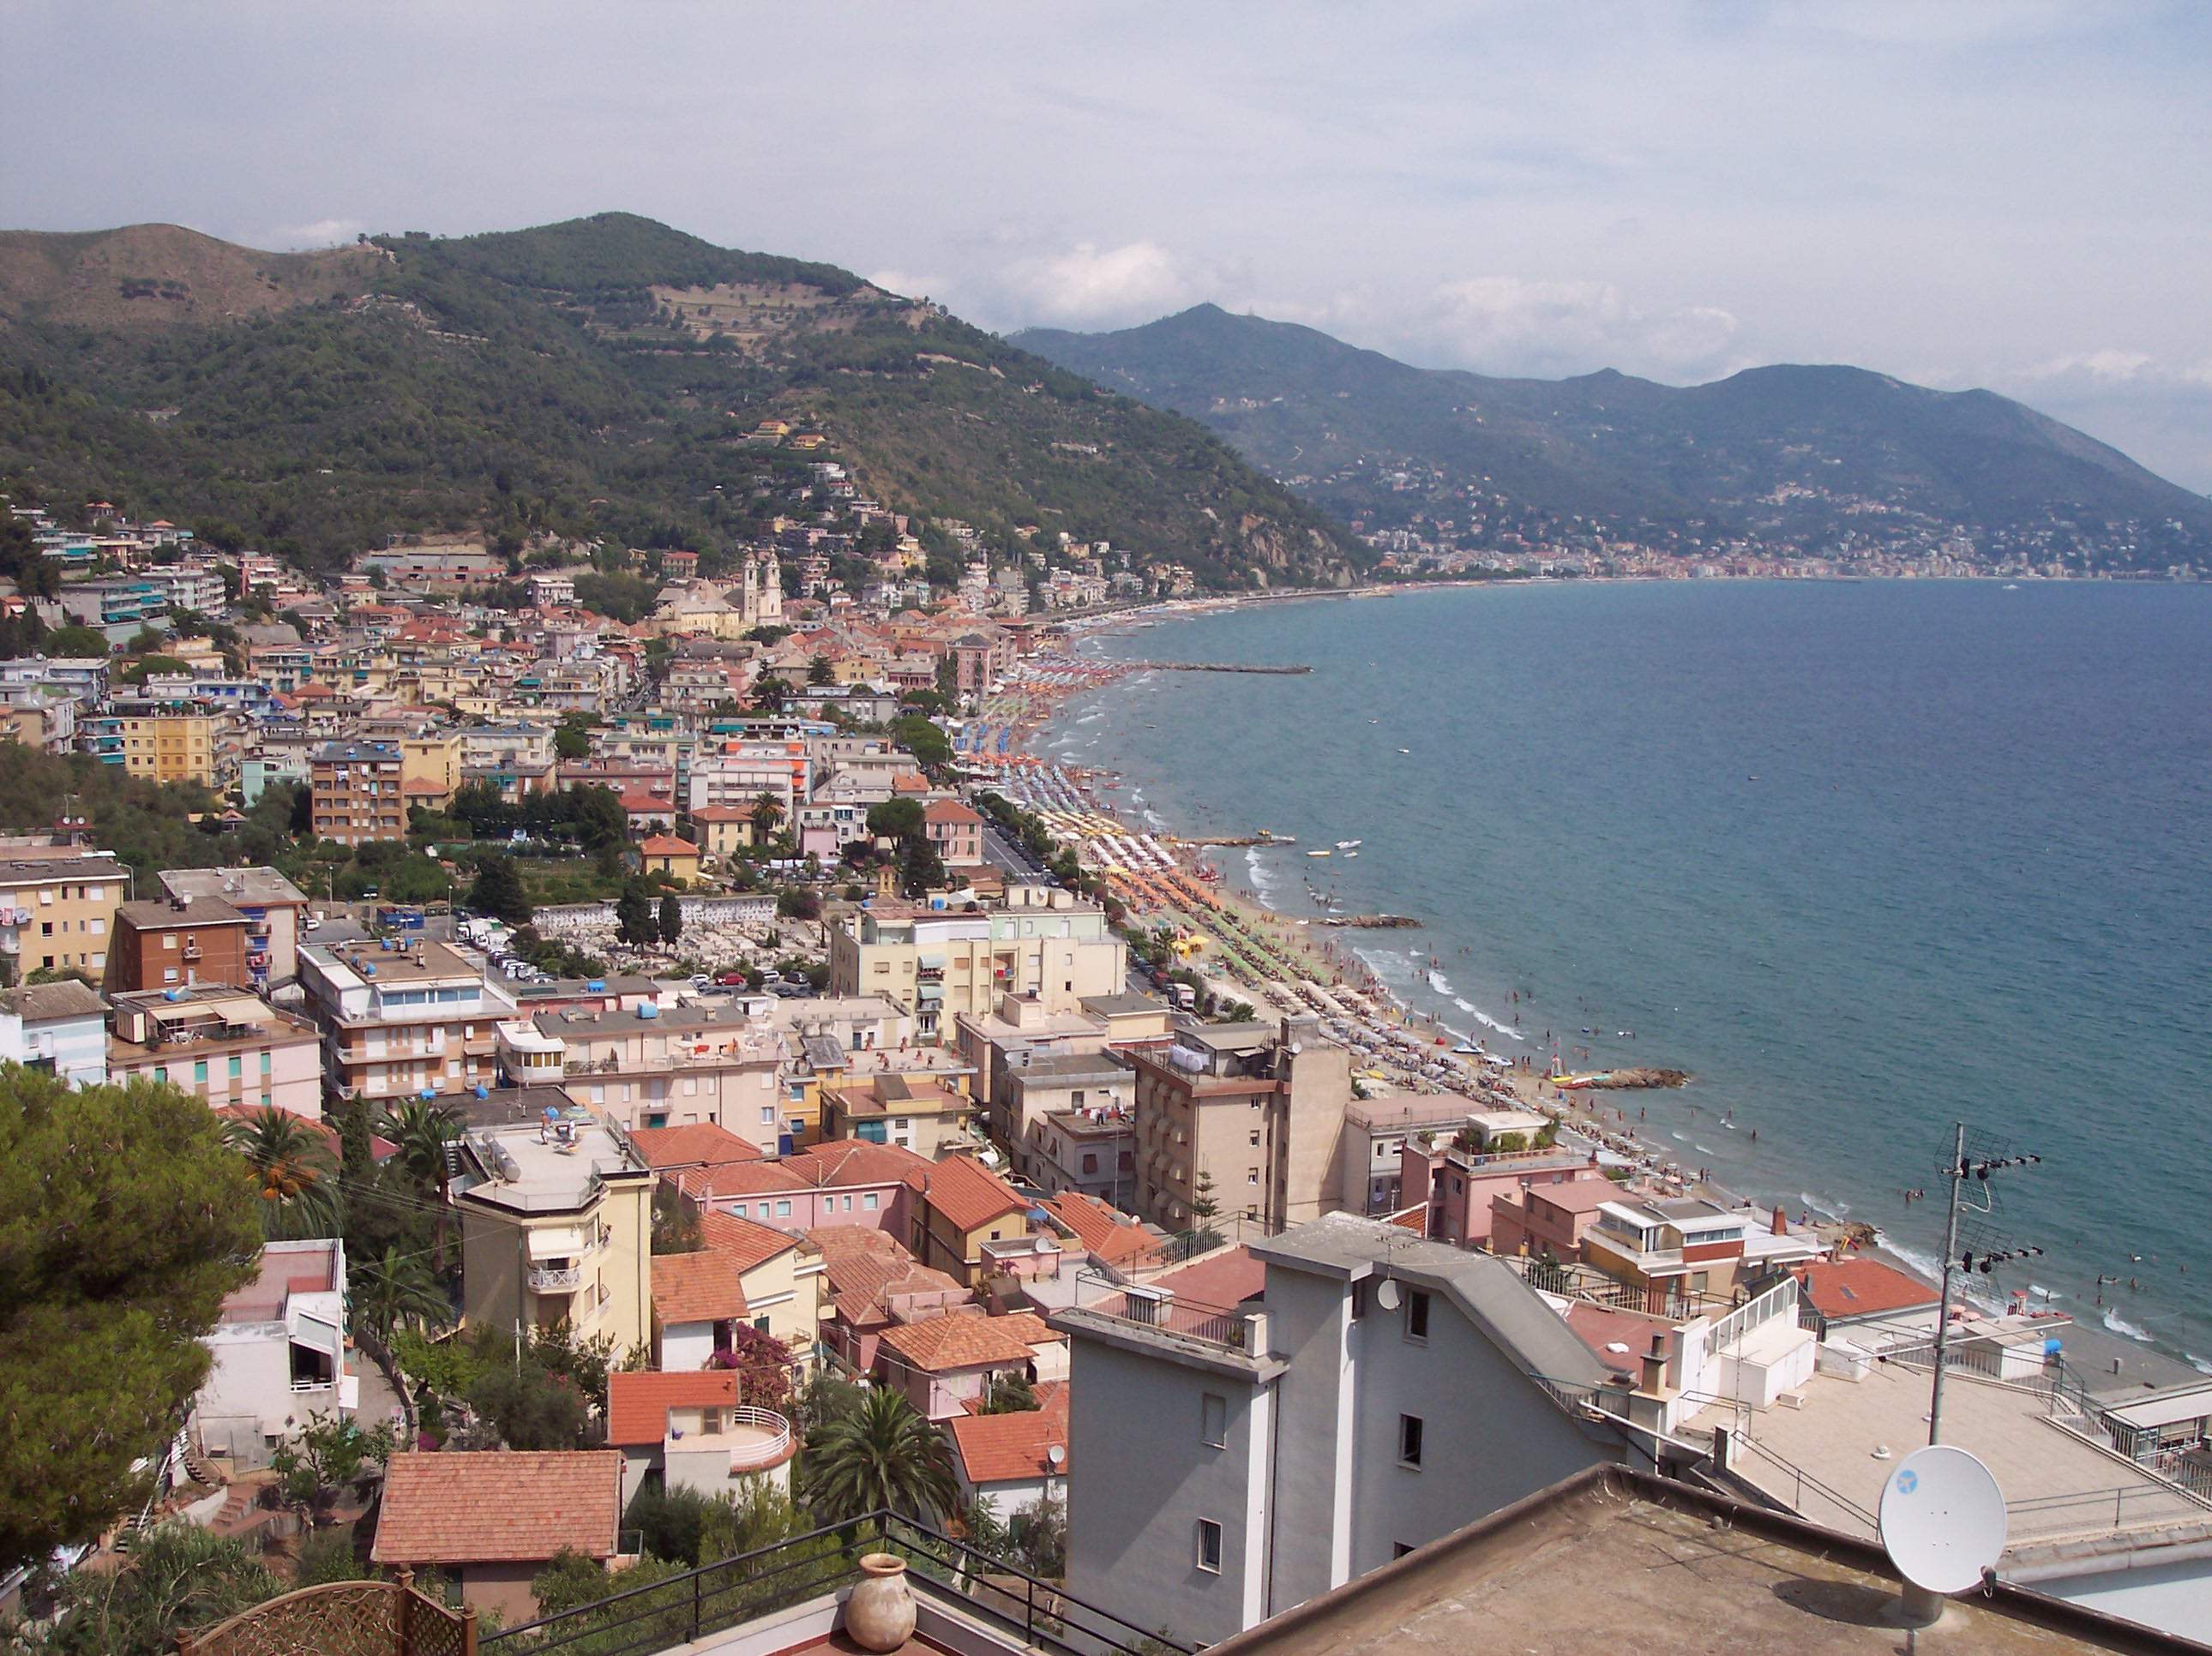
951 1575
555 1279
1192 1319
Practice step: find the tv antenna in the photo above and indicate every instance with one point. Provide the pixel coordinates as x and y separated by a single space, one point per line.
1942 1524
1973 1193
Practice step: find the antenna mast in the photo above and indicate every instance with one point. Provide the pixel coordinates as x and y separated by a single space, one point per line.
1957 1172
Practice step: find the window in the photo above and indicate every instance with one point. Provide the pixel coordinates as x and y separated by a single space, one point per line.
237 1066
199 1071
168 940
1416 1316
760 1323
1209 1546
1358 1300
868 1202
1400 1548
783 1209
1255 1138
1091 1164
768 1115
1409 1440
739 1210
1212 1421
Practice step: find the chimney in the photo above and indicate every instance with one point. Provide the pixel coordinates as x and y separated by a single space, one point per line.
1655 1366
1781 1223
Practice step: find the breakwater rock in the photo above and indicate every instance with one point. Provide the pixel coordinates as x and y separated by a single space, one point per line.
1624 1080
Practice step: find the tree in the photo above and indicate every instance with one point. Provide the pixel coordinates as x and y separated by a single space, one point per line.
323 1457
499 890
1011 1393
770 694
671 919
571 739
114 1262
395 1290
180 1578
295 1174
530 1408
424 1130
762 1364
819 671
674 1224
767 813
1204 1207
881 1454
921 869
896 819
75 642
1037 1535
634 922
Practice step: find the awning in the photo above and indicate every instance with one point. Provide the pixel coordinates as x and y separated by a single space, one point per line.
555 1244
936 962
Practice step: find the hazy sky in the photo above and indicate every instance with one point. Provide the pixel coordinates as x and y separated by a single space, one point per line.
2013 196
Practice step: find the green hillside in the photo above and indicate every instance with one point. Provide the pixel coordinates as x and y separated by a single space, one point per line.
1833 461
597 378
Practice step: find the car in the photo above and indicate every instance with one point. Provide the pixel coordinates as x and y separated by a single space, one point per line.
313 922
700 980
730 980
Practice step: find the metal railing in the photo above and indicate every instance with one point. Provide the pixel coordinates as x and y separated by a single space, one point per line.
2102 1512
1801 1481
684 1608
1778 1300
1171 1313
555 1279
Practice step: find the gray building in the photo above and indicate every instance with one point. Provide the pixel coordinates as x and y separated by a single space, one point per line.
1380 1392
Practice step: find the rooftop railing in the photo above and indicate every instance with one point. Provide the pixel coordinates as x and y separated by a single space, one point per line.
1168 1313
948 1573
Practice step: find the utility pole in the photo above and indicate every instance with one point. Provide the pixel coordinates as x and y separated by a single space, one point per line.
1956 1173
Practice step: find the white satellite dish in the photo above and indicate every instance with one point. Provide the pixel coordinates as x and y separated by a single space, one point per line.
1386 1294
1055 1454
1942 1519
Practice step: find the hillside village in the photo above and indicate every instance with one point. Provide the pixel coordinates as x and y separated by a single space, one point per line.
669 1049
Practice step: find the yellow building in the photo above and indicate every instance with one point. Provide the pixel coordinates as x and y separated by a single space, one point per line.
429 770
170 748
58 909
556 1225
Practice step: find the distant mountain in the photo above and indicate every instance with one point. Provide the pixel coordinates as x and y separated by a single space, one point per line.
595 377
1831 462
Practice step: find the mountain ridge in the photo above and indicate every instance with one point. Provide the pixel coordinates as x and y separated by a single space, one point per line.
1822 461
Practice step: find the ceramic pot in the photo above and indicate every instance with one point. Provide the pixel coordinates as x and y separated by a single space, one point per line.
880 1614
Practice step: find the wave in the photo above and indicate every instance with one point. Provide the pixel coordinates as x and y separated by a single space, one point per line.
2120 1324
1440 983
1153 819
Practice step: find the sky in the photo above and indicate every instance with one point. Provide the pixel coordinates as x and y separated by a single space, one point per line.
2015 196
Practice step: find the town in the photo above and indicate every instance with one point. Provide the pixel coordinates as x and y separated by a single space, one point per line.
698 1083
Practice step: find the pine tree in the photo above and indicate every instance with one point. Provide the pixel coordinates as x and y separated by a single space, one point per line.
671 919
634 924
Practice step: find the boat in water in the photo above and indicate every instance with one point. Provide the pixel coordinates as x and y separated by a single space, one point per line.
1349 845
1317 853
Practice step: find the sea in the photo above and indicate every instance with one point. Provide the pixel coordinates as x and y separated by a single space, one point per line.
1870 860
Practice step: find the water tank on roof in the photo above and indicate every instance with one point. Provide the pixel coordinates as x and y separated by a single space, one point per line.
483 1092
596 986
173 994
367 970
649 1009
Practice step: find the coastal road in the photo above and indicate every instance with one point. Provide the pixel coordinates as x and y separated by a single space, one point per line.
1004 853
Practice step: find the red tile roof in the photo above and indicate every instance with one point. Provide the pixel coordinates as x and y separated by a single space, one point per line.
499 1506
1031 1329
957 1341
1601 1327
696 1288
1859 1288
743 1242
702 1145
1225 1279
738 1179
1111 1236
970 1195
638 1405
855 1162
663 844
1014 1448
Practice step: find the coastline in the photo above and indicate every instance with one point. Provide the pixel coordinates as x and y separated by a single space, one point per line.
1045 735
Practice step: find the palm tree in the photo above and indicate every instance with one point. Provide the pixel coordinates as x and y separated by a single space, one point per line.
295 1173
396 1291
881 1453
768 812
422 1130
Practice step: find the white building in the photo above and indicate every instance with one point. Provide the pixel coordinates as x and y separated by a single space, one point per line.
60 1027
1382 1392
279 1354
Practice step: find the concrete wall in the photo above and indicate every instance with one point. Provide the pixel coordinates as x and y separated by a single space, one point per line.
1146 1480
685 1347
2175 1598
501 1587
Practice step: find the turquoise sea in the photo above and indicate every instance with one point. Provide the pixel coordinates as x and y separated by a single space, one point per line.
1868 858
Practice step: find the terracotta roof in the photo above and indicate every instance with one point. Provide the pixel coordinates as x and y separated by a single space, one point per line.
737 1178
499 1506
1860 1288
970 1195
696 1288
957 1341
1225 1279
1105 1232
1013 1449
1600 1327
840 1243
664 845
703 1145
742 1241
856 1162
638 1405
949 811
1031 1329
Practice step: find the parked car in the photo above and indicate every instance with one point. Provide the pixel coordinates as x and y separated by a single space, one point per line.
730 980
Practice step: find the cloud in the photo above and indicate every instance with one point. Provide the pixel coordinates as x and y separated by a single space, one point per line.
324 233
2108 368
1092 285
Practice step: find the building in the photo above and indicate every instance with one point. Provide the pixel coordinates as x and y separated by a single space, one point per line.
556 1226
58 911
971 1222
695 1431
177 943
1376 1131
1461 1180
280 1354
664 853
430 771
1012 1461
912 1112
490 1520
715 1063
1253 1111
1057 1101
743 1271
1247 1454
1046 942
226 1046
357 792
1679 1250
944 1363
1865 1294
1091 1151
849 1184
273 907
59 1028
955 831
1547 1219
166 745
402 1019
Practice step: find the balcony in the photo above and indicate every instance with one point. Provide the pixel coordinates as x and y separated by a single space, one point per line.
754 1439
555 1279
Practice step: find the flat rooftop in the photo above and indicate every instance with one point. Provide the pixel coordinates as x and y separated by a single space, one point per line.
546 1167
1614 1560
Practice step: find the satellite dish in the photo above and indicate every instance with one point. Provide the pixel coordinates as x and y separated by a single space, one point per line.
1942 1519
1056 1455
1386 1294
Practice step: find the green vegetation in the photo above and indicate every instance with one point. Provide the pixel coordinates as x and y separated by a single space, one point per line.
875 1451
181 1578
112 1265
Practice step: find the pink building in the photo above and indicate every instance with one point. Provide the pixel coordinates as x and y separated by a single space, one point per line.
1547 1220
842 1182
225 1046
1460 1183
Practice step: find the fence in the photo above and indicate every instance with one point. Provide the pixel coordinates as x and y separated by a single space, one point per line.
1778 1300
684 1608
343 1618
1221 1326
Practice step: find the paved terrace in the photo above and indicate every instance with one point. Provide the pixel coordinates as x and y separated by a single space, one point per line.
2058 1487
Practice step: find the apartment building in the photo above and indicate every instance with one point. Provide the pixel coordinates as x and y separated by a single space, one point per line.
279 1352
713 1064
223 1044
356 788
1046 943
736 774
556 1226
59 1028
429 770
273 907
1258 1107
162 744
176 944
397 1020
956 831
1241 1455
1376 1134
58 909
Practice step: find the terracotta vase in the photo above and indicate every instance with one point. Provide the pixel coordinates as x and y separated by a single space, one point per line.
880 1614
